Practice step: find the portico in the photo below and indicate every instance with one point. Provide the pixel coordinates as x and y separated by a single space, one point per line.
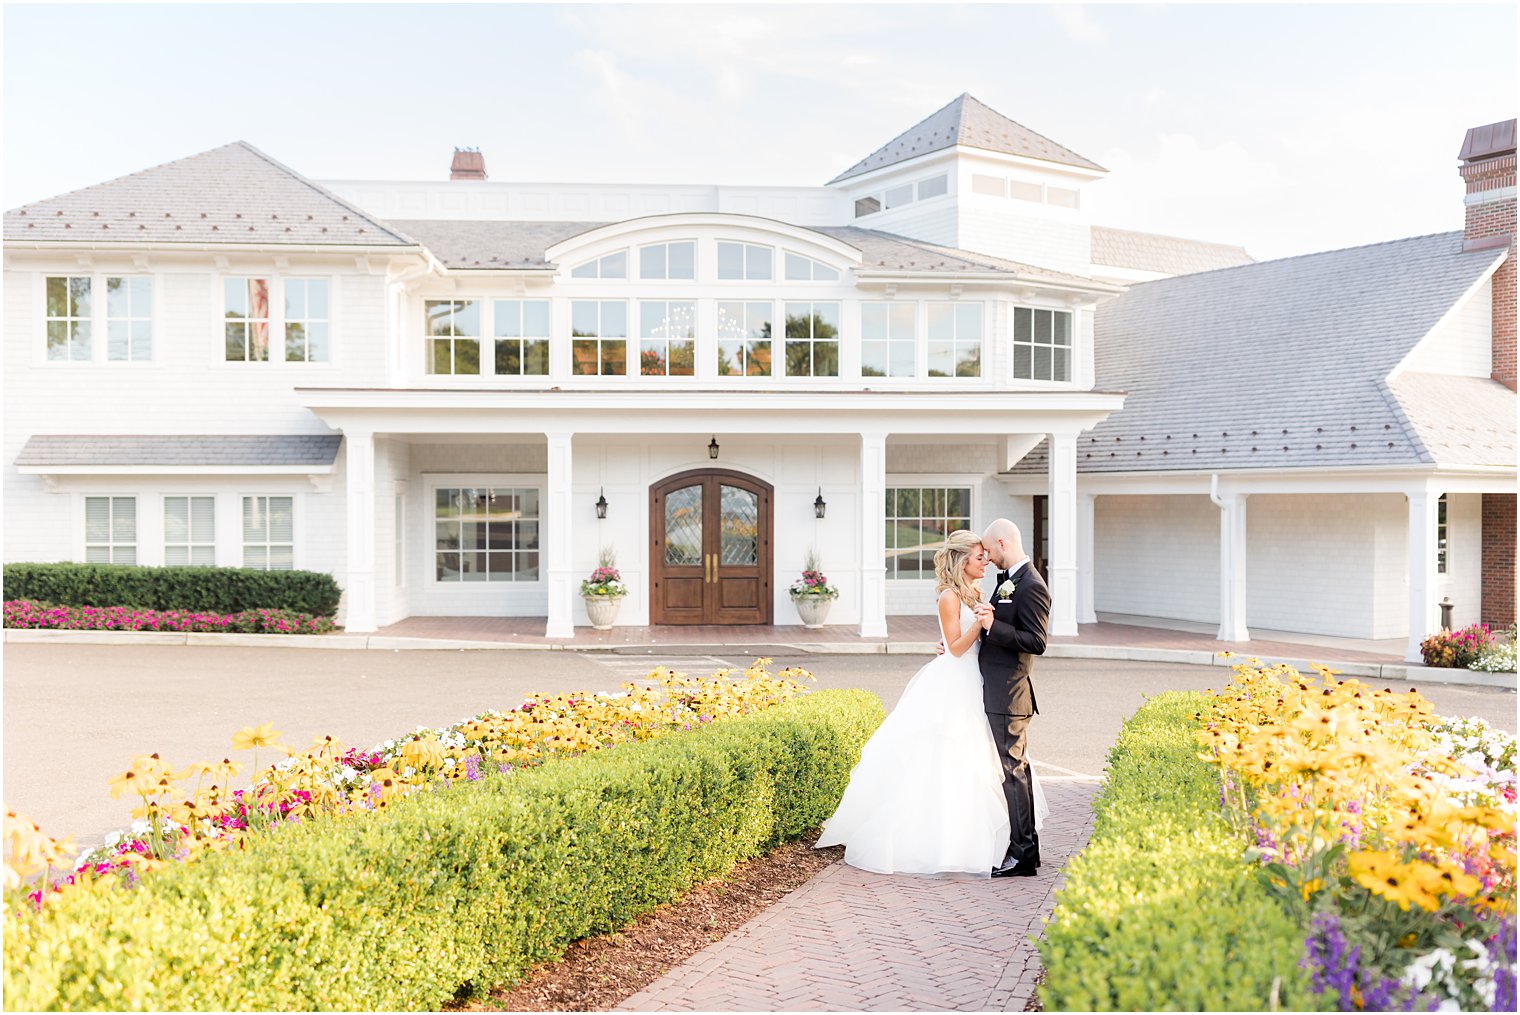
574 447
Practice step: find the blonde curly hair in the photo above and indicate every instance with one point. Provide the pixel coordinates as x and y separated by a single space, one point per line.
950 566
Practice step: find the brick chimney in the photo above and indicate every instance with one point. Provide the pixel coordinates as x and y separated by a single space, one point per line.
1488 169
469 164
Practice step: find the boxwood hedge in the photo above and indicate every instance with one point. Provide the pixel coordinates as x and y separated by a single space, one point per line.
1162 911
449 890
195 589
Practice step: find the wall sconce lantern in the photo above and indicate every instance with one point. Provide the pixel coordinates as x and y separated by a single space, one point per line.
819 505
712 448
601 504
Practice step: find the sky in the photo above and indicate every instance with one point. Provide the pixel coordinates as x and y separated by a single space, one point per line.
1283 128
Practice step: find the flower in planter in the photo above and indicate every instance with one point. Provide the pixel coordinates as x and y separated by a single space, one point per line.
605 580
813 584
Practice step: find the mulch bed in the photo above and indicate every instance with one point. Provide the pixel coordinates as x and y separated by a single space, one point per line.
599 973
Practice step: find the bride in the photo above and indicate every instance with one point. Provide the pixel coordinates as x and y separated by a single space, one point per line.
927 795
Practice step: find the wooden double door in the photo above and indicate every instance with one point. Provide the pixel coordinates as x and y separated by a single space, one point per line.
710 549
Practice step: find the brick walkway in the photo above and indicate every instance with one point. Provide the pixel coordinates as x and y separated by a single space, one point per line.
849 940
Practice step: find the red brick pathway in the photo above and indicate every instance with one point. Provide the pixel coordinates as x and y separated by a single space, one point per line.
849 940
530 631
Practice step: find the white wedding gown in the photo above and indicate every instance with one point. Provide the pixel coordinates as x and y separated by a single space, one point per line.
927 795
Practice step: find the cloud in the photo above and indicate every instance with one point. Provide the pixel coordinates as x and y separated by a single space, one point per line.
1079 24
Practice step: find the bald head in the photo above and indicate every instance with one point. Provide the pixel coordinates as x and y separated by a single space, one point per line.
1004 542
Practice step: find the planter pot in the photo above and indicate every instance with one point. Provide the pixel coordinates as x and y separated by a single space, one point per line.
602 610
813 610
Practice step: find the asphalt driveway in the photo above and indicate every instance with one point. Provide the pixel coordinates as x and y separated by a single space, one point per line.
76 714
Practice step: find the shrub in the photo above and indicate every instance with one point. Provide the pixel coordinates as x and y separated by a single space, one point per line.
447 891
1498 657
197 589
1161 911
1457 648
23 613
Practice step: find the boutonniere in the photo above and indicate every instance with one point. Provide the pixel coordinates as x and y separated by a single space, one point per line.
1006 590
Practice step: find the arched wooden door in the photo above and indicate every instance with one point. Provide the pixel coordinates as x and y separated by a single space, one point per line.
710 549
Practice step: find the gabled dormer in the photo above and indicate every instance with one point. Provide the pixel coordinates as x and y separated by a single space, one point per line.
967 176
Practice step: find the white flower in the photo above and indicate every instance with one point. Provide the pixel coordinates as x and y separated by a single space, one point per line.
1006 589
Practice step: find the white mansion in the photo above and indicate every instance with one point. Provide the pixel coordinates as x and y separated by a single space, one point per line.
452 395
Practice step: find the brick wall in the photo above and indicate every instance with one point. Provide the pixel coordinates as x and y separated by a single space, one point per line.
1491 216
1499 558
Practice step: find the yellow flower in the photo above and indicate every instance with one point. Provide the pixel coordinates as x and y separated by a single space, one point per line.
252 737
1383 875
128 781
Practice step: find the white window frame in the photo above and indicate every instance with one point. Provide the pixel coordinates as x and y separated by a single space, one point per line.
813 265
665 261
720 338
276 319
942 178
99 319
72 320
192 544
306 320
957 344
295 532
111 544
667 340
497 481
744 262
929 482
1443 534
135 315
813 341
891 342
628 338
1014 344
454 338
494 304
600 263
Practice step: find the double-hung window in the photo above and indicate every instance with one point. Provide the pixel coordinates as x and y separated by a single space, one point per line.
1041 344
306 320
744 339
955 339
485 534
599 338
1441 534
669 260
68 317
190 531
269 533
812 339
246 329
453 328
919 519
522 337
887 339
667 337
744 262
110 530
129 319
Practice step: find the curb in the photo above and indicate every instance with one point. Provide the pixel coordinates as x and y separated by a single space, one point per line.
1118 653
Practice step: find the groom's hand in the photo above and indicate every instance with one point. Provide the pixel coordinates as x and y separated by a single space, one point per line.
939 649
984 615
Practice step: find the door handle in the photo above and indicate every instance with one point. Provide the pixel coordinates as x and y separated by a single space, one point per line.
712 567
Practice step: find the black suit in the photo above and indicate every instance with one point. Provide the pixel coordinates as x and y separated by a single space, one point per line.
1007 660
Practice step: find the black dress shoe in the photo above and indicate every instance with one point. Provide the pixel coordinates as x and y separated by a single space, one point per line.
1022 869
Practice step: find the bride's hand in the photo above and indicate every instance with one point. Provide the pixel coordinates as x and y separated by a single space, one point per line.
984 615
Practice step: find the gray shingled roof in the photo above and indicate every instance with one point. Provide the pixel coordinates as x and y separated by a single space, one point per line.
971 123
1281 364
296 450
1459 420
506 245
459 243
231 194
1167 255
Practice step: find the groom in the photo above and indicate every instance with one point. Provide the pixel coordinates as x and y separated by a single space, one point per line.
1014 624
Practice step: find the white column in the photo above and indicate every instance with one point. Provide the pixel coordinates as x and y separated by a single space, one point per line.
1063 535
873 535
1232 568
556 535
1423 618
359 477
1087 612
